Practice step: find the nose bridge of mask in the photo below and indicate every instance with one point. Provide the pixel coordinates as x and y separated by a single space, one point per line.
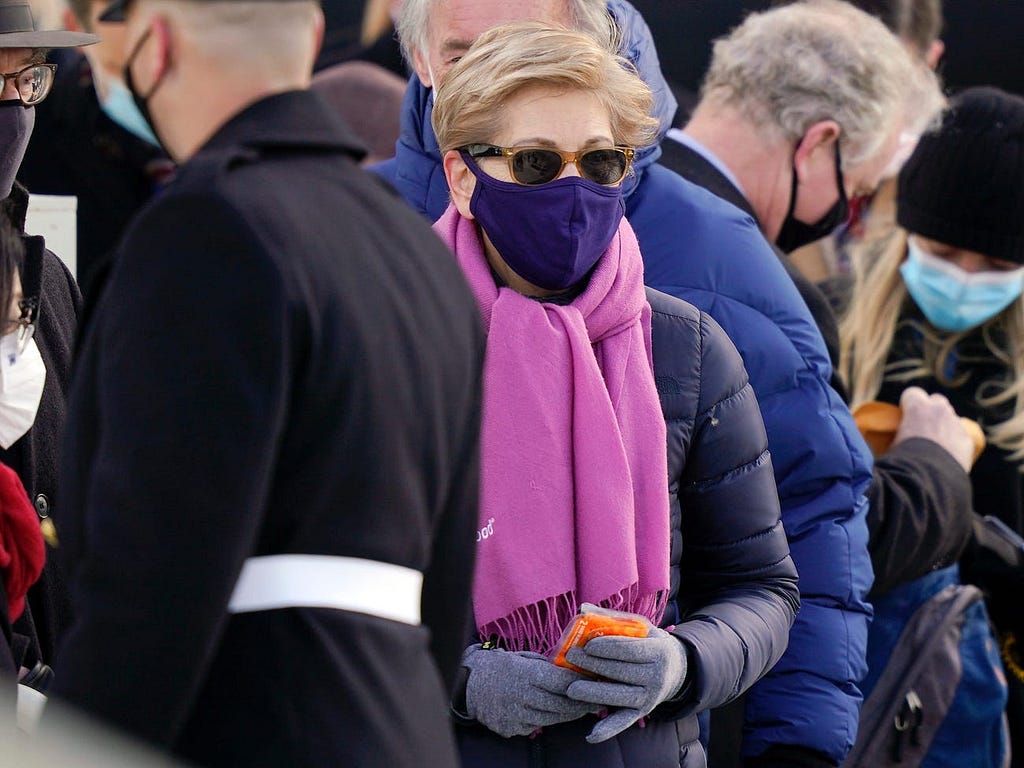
579 221
994 278
15 366
939 276
22 378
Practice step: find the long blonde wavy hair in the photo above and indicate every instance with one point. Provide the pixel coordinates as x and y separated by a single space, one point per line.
868 327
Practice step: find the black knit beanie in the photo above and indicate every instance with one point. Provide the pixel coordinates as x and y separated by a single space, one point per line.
964 183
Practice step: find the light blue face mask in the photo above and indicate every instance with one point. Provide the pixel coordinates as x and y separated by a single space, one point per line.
953 299
120 107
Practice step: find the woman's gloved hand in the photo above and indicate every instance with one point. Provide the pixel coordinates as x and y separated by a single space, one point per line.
640 672
515 693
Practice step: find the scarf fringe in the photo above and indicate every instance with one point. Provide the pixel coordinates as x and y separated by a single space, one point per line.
538 627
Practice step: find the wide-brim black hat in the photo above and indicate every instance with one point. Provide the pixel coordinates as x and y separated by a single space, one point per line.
17 30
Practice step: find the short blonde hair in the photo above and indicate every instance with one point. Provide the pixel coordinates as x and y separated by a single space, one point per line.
508 58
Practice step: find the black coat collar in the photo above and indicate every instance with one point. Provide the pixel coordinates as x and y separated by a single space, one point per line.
692 165
293 119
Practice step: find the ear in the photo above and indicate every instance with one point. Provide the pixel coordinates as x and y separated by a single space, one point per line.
152 59
461 181
318 32
419 65
934 53
819 136
163 47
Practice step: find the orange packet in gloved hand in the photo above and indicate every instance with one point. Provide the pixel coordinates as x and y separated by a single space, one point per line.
594 621
878 422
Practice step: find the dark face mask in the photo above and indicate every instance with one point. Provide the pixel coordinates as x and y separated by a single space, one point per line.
796 234
551 234
142 100
16 123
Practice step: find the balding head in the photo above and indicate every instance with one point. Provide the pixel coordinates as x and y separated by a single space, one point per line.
435 33
197 63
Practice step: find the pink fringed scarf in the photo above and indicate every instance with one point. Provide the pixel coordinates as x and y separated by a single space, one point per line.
574 493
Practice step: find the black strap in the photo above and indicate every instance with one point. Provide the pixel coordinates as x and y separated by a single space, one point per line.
32 276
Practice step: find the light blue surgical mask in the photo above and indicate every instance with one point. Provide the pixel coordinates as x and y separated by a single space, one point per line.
953 299
120 107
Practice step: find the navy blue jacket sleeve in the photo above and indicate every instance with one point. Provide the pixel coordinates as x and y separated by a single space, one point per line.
710 254
737 586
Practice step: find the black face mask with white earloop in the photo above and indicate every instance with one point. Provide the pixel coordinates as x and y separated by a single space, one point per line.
142 100
16 123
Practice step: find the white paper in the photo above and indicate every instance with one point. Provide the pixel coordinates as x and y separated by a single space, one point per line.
55 218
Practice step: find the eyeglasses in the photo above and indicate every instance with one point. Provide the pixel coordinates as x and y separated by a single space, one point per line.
24 326
33 83
539 165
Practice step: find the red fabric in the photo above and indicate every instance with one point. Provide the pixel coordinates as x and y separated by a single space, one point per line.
22 552
855 221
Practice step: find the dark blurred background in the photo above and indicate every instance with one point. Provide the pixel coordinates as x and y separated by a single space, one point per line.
984 38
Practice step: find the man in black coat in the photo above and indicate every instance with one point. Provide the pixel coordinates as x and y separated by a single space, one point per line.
271 454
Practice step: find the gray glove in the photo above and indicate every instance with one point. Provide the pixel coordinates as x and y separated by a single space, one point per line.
515 693
641 673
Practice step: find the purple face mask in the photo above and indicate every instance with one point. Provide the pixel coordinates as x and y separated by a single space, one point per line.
16 122
551 234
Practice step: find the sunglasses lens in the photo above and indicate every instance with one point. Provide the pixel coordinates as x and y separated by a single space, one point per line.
604 166
536 166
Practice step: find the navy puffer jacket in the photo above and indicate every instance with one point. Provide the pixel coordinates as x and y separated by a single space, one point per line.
734 592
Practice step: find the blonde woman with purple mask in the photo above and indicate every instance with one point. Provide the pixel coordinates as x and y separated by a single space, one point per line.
593 387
